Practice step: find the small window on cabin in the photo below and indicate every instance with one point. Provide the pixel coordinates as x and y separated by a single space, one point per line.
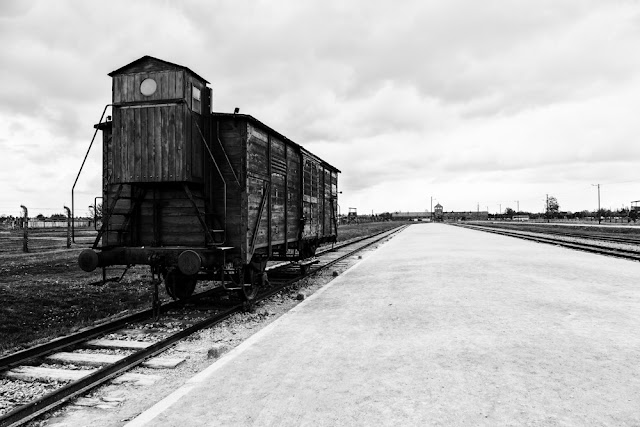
195 101
148 87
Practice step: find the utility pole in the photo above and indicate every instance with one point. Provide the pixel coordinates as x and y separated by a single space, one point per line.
546 210
25 225
431 208
598 185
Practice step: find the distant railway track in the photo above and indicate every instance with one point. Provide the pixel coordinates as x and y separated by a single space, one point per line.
281 276
604 237
576 232
558 238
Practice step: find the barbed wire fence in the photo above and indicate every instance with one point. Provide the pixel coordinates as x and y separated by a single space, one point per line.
50 229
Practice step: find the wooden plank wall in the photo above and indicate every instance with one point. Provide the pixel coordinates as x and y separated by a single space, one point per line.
232 135
272 160
334 195
257 177
157 144
178 223
326 202
116 220
107 161
176 219
278 190
149 144
170 85
320 186
311 197
293 194
107 172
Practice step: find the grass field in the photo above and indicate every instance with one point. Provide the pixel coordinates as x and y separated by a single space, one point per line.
44 294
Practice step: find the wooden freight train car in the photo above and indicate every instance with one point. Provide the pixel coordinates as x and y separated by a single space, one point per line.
196 194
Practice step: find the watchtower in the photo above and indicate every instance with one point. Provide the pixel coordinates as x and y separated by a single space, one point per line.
438 211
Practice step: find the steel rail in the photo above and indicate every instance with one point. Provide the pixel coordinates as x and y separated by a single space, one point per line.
319 268
606 237
602 237
52 400
359 239
56 398
593 248
22 356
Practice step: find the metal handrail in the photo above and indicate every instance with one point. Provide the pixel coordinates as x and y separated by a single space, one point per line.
225 153
224 182
73 216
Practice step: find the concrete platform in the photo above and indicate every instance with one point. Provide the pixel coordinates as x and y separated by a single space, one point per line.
440 326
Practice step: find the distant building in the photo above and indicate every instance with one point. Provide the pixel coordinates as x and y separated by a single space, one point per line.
411 216
441 215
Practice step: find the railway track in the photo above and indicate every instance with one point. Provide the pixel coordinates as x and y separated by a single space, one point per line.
134 353
604 237
557 238
627 238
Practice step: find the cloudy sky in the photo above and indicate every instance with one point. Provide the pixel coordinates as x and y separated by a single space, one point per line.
474 103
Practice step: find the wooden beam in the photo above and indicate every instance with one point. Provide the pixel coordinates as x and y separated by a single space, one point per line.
97 359
124 344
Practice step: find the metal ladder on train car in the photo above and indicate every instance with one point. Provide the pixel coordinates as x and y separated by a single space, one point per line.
214 237
137 196
221 233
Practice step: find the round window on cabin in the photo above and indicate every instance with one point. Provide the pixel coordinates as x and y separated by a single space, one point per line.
148 87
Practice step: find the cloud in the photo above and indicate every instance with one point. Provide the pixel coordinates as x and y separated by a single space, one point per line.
456 97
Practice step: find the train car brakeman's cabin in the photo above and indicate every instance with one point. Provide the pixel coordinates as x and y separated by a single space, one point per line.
196 194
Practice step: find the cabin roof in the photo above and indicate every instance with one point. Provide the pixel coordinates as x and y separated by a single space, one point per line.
151 63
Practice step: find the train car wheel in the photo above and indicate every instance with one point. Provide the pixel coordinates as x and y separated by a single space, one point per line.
178 285
252 282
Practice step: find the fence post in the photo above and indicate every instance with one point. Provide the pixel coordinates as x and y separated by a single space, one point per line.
25 225
68 226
